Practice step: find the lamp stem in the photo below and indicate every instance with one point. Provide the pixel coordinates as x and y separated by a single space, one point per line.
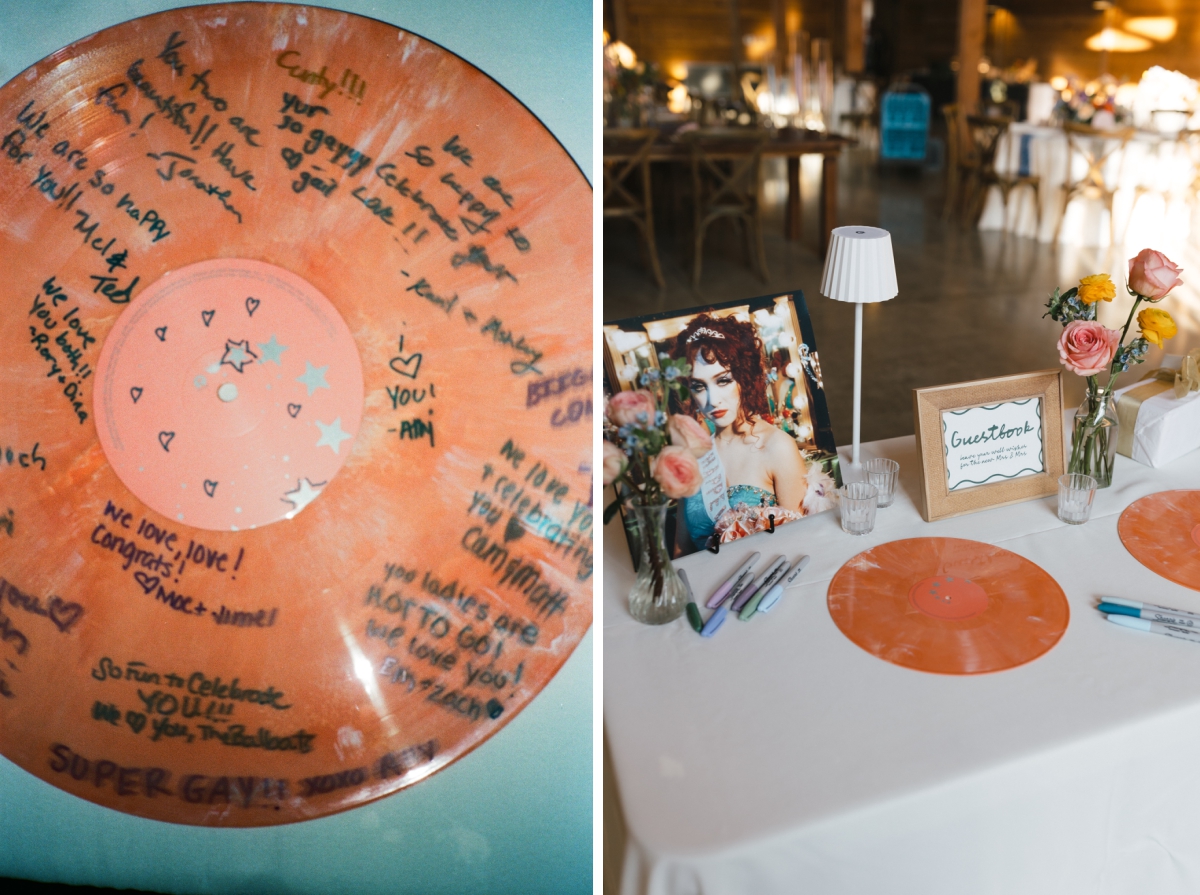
857 378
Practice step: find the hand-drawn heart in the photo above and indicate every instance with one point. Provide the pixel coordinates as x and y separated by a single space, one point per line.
207 316
514 529
136 720
252 305
164 438
161 332
135 393
210 487
293 410
404 362
147 582
64 614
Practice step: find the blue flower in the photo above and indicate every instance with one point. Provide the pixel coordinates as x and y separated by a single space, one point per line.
632 443
625 430
660 418
643 418
649 376
671 374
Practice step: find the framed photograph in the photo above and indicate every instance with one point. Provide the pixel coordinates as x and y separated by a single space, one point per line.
756 385
989 443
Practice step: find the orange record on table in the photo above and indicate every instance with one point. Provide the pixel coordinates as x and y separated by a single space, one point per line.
294 413
1162 531
948 605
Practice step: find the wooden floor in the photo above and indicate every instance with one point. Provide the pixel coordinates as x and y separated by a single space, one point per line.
970 303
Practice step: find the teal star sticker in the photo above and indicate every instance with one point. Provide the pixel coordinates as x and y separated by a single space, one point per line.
271 351
314 377
332 434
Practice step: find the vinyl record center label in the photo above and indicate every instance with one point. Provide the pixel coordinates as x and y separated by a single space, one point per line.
230 394
295 418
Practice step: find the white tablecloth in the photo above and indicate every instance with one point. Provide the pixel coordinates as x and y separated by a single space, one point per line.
1159 165
780 757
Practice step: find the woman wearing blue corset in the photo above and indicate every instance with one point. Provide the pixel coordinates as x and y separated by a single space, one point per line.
762 464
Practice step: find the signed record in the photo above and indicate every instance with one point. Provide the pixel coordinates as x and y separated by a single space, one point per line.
295 413
948 605
1162 531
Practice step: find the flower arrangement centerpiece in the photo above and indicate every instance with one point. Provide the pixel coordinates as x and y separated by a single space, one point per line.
1088 348
651 457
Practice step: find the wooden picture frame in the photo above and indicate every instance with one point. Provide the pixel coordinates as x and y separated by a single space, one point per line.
1009 473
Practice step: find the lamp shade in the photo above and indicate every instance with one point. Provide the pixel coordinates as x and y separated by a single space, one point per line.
859 266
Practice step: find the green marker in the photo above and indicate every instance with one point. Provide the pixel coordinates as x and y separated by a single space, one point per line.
693 611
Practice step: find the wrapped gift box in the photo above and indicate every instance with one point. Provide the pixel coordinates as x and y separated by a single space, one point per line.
1165 427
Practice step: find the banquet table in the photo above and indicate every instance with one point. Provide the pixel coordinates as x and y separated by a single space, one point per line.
779 757
1152 176
789 143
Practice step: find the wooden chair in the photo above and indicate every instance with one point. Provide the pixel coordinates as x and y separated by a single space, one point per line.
627 184
960 166
726 182
1095 147
985 133
1014 179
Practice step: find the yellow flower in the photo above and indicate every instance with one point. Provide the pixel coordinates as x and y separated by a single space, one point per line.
1156 325
1097 287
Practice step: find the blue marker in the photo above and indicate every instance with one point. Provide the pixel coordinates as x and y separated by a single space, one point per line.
1154 615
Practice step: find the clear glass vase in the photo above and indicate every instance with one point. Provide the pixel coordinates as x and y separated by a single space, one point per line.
1094 440
658 596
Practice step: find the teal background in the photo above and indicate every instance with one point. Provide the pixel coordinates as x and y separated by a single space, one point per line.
515 815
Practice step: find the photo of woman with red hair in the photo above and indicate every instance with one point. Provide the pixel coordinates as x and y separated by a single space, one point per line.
763 466
755 386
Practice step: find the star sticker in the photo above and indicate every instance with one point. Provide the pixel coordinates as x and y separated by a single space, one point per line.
303 494
271 351
238 354
332 434
314 377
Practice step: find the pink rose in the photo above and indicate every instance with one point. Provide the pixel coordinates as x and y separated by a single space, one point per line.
677 471
1152 274
1086 347
687 433
614 462
624 408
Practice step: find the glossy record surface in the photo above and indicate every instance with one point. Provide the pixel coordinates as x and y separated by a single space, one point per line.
948 605
1162 531
433 584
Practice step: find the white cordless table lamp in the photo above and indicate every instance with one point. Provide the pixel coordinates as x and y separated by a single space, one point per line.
859 267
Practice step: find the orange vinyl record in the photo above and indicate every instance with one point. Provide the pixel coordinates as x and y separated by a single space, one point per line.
1162 531
948 605
295 405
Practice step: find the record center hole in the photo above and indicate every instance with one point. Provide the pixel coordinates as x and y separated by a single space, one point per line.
227 392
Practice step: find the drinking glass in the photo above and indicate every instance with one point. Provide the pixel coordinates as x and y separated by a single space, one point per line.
882 473
858 503
1075 494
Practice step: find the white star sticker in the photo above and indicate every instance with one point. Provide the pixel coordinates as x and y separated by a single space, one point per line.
303 494
332 434
314 377
271 351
